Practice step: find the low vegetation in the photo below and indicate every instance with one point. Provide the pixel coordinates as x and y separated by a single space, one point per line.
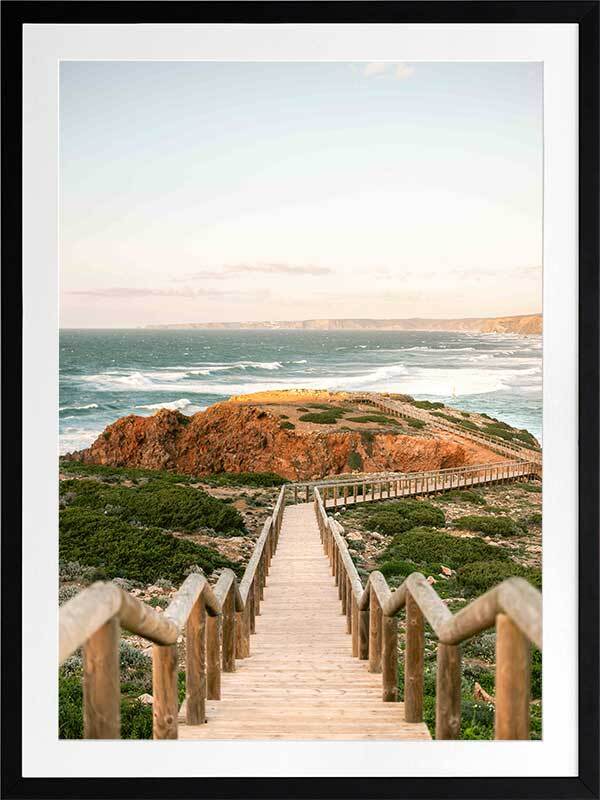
427 405
328 417
429 548
479 576
160 504
380 419
139 476
403 515
252 479
355 461
116 548
463 496
492 526
416 423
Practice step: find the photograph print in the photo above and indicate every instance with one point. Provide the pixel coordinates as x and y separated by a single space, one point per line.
301 422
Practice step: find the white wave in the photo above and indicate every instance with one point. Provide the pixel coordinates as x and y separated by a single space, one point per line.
78 408
173 405
76 439
302 361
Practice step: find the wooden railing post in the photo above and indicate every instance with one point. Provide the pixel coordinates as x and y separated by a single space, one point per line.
375 616
213 657
355 627
513 654
242 630
165 707
101 683
228 623
195 665
413 661
348 605
447 693
390 659
363 634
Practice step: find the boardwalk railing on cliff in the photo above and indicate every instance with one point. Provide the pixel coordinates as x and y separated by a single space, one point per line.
404 410
299 679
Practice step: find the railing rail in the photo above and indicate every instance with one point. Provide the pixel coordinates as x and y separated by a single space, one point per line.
217 622
514 607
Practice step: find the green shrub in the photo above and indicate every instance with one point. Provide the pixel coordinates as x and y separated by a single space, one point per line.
416 423
287 426
466 423
157 503
492 526
535 518
355 461
480 576
464 495
283 416
367 438
426 404
465 414
404 515
498 430
377 418
397 567
388 522
432 547
533 488
255 480
118 549
329 417
327 407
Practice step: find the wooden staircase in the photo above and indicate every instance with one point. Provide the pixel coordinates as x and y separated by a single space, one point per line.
301 681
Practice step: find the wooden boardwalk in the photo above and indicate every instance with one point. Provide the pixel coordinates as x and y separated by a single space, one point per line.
345 493
301 681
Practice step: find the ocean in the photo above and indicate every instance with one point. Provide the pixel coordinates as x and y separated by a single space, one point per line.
106 374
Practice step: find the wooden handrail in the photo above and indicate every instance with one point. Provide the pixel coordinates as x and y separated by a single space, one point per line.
514 607
217 621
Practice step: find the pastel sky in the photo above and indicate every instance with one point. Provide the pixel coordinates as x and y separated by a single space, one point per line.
215 191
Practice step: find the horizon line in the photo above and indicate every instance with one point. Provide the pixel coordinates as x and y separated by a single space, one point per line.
296 321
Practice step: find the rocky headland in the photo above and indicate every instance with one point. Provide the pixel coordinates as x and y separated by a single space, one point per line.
300 435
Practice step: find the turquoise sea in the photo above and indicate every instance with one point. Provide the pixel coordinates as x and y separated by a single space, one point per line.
105 374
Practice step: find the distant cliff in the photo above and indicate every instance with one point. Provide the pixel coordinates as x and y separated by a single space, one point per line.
526 325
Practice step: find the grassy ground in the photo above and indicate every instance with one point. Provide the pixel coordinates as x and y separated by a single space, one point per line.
464 542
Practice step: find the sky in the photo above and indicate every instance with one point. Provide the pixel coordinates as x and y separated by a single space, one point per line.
245 191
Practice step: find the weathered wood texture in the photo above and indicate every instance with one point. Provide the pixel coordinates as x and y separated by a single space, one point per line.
512 680
301 681
101 686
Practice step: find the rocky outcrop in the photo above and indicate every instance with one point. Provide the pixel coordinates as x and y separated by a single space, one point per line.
235 437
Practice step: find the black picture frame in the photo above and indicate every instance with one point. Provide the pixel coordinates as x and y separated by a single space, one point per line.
583 13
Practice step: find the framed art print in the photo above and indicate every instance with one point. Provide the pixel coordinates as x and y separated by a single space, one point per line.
300 399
